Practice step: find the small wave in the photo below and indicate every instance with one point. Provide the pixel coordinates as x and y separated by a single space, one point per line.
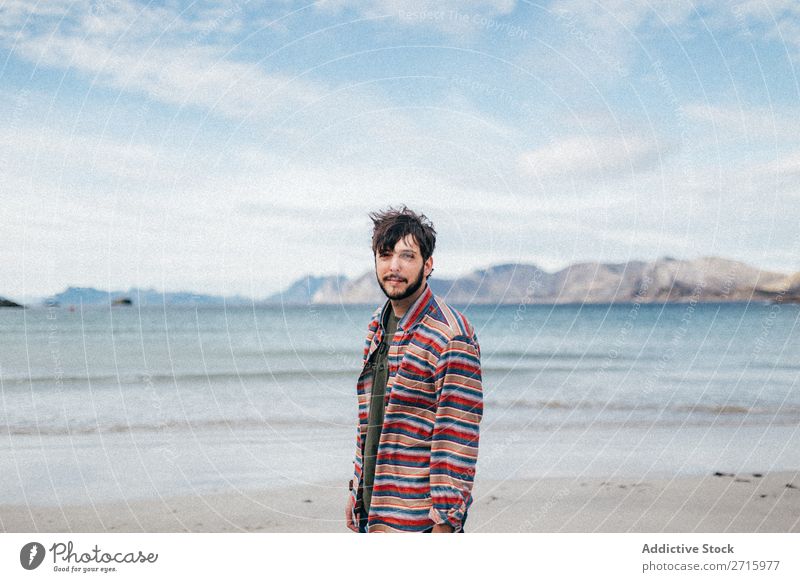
161 377
590 356
722 409
547 368
550 427
776 366
563 405
170 426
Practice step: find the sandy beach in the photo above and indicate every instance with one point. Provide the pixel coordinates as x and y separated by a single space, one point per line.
713 503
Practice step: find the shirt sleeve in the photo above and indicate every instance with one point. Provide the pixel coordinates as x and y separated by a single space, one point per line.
454 446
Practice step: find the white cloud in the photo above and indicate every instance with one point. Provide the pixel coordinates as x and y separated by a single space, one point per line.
786 166
616 26
407 9
590 45
779 17
608 30
777 178
155 51
41 151
588 156
746 122
454 17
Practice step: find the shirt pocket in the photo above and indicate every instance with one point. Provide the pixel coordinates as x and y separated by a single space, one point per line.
410 412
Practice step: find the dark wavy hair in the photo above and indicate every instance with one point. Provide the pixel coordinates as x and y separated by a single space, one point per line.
394 224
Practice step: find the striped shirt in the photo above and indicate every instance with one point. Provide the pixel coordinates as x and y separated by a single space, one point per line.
428 446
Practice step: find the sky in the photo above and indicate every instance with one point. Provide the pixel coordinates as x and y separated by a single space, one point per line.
231 147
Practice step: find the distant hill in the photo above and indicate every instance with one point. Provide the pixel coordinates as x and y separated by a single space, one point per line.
143 297
8 303
664 280
787 289
309 289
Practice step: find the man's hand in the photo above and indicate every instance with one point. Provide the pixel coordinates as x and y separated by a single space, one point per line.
348 512
442 528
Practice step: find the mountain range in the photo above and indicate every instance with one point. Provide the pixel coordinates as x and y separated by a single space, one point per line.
664 280
708 279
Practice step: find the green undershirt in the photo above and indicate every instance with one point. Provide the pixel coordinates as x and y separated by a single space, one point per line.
376 405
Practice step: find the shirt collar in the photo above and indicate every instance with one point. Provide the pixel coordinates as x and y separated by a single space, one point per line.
414 313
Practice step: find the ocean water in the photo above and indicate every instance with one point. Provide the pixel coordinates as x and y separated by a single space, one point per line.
100 404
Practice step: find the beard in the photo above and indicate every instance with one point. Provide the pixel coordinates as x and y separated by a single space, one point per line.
408 291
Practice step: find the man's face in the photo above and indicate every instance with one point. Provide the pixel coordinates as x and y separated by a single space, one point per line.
402 272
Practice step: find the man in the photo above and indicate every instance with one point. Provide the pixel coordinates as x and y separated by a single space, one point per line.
419 394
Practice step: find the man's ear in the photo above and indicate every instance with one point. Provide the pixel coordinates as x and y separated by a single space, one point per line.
429 266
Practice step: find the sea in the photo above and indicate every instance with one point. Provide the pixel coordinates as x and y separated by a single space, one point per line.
103 404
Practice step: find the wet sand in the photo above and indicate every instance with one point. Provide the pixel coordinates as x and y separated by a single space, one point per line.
723 502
